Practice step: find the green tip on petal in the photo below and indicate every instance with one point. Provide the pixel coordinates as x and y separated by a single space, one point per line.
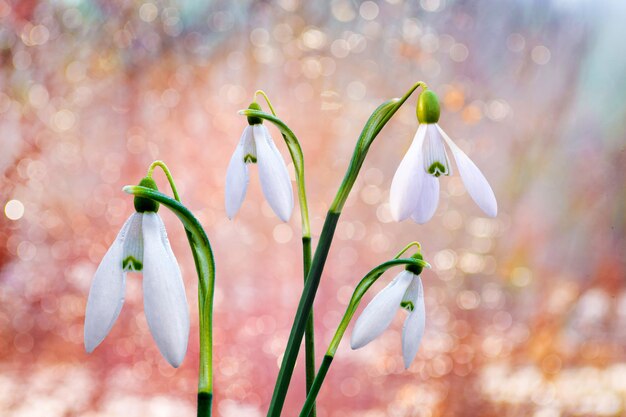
249 159
437 169
253 120
143 204
428 107
130 263
416 269
407 305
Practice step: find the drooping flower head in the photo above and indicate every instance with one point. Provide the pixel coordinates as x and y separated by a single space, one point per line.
415 186
141 246
404 292
256 146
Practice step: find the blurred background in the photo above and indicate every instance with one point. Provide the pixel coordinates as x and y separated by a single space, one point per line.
526 313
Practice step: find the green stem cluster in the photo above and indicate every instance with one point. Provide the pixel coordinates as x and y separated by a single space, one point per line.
374 125
302 314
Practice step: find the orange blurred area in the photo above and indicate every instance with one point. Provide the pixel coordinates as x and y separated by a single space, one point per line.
526 312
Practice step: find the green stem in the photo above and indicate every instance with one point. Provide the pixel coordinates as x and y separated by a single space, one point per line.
297 156
309 331
302 314
374 125
205 401
205 266
309 403
167 173
360 290
267 100
407 247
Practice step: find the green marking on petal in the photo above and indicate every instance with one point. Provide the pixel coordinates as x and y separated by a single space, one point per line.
130 263
437 169
408 305
249 159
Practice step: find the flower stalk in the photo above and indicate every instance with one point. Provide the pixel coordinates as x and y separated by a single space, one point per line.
205 267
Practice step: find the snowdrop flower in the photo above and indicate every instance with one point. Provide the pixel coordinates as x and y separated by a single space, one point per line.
405 291
415 186
141 245
256 146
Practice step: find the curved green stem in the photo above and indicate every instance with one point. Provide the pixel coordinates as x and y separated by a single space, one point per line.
205 266
167 173
297 156
368 280
267 100
407 247
373 126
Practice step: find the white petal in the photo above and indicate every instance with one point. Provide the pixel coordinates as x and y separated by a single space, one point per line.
237 176
106 295
414 324
474 181
165 303
435 156
407 181
379 313
132 256
428 200
273 174
412 293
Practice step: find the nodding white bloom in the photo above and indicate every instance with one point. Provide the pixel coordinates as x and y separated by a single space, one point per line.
257 146
415 186
141 245
406 292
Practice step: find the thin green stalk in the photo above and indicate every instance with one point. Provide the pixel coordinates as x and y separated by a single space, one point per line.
267 100
360 290
168 174
205 267
407 247
297 156
374 125
309 331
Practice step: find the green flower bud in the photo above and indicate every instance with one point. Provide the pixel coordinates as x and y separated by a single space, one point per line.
143 204
416 269
428 107
252 120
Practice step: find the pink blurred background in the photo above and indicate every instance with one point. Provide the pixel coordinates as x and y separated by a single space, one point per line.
526 313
